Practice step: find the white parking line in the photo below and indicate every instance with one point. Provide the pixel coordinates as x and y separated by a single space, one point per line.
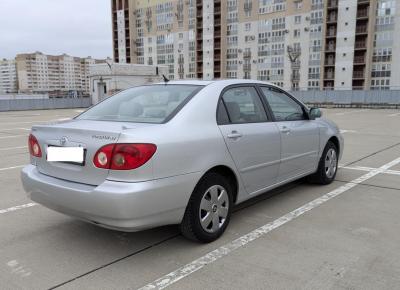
34 122
18 207
223 251
13 167
351 112
394 115
25 122
12 148
8 116
13 136
369 169
12 129
347 131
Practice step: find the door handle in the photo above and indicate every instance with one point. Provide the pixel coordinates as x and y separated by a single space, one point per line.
234 135
285 130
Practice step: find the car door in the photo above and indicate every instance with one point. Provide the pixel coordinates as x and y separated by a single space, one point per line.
252 139
299 134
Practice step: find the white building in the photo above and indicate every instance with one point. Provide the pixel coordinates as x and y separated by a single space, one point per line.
340 44
57 75
8 76
109 78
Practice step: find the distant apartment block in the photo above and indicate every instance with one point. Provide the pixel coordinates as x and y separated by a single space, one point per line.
8 76
55 75
313 44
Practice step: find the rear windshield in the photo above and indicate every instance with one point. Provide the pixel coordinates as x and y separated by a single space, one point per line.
146 104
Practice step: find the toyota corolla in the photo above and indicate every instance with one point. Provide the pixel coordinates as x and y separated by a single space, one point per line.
181 152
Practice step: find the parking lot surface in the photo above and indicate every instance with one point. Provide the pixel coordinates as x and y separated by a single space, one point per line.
342 236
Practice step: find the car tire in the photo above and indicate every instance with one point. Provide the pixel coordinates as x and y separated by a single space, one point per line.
327 166
209 209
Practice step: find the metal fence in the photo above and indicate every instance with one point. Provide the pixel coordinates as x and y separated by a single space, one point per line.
378 98
374 98
43 104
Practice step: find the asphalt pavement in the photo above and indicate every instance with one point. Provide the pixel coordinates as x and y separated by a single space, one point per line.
300 236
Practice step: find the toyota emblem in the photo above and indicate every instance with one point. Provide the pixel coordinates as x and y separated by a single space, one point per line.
63 141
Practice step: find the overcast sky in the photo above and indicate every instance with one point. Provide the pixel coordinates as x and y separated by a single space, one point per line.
76 27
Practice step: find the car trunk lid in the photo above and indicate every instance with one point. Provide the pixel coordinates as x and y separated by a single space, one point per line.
91 135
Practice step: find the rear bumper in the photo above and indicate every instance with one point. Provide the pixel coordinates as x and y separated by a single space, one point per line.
117 205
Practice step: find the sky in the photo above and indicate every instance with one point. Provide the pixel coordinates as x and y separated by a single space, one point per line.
76 27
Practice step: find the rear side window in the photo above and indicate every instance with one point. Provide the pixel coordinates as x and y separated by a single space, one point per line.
222 114
244 105
283 107
146 104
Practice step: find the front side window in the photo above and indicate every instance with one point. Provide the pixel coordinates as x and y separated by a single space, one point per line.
283 107
244 105
146 104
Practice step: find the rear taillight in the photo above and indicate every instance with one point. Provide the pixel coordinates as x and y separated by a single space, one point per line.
34 147
102 158
123 156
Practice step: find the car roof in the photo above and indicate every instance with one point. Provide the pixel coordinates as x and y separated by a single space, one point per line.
224 82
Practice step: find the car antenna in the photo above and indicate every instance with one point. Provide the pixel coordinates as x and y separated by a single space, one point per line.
166 80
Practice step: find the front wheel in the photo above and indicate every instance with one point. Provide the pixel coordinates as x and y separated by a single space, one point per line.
328 165
208 212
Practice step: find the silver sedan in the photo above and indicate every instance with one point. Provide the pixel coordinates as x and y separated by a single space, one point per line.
182 152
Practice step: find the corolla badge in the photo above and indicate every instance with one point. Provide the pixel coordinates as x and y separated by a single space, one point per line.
63 141
104 137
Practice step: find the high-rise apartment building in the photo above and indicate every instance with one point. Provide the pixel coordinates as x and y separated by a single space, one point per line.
40 73
313 44
8 76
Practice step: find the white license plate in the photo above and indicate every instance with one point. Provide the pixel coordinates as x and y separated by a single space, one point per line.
65 154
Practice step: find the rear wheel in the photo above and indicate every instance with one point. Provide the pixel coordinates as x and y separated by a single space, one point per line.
327 167
208 212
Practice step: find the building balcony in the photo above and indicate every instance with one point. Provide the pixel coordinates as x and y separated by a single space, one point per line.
246 55
232 67
359 45
361 2
329 76
361 30
332 4
295 77
329 62
331 19
248 6
358 75
359 59
331 33
330 48
362 13
296 65
247 67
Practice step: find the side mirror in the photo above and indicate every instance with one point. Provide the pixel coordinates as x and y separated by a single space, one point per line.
315 113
